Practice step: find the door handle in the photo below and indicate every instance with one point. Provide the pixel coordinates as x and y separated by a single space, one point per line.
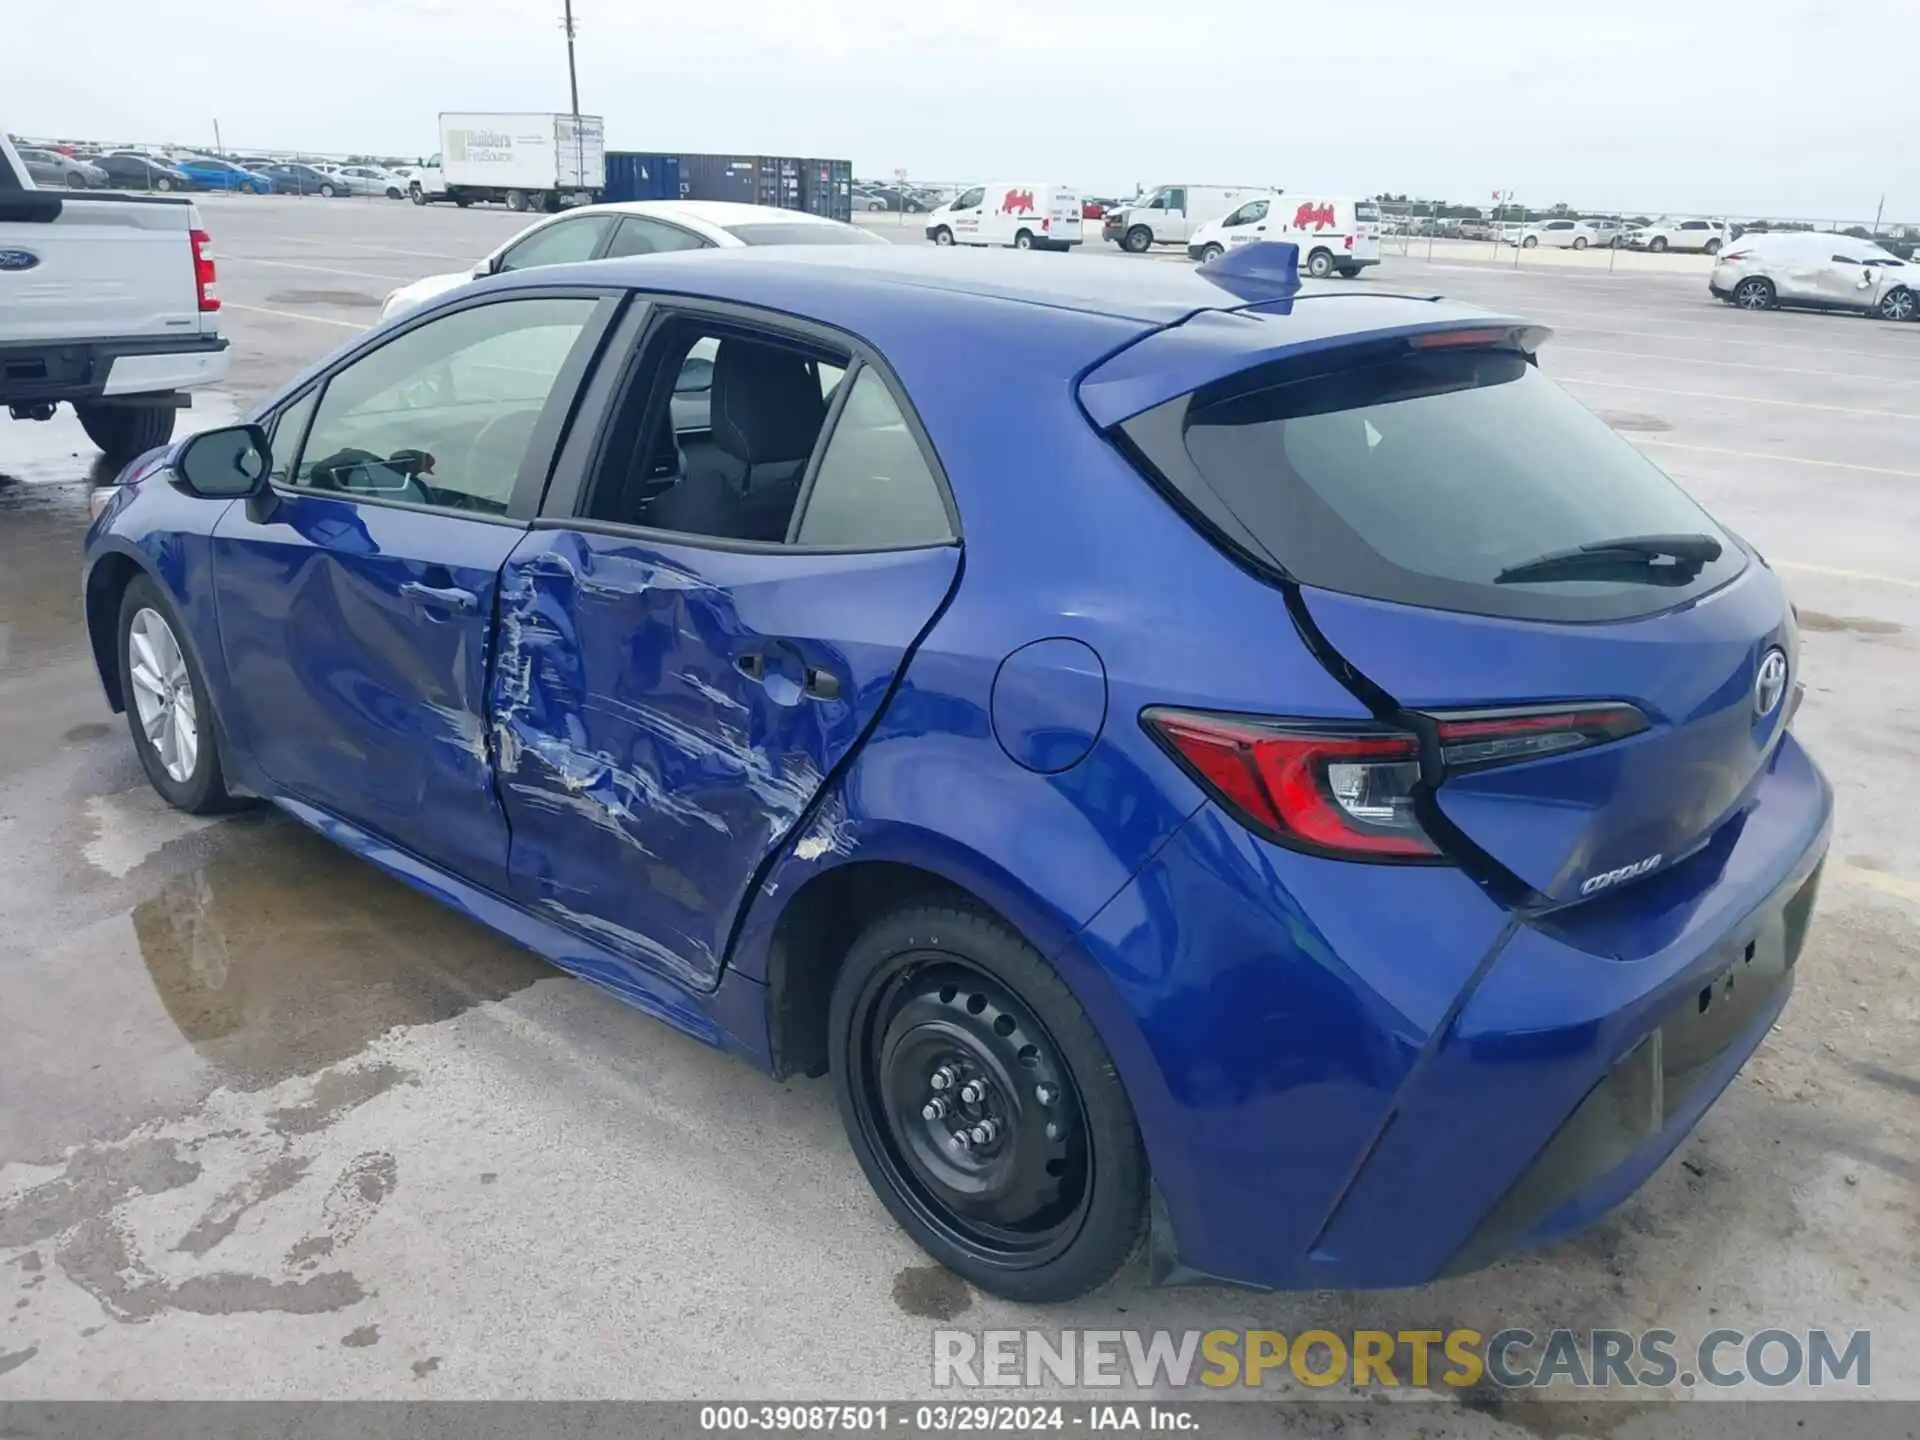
435 597
822 684
753 665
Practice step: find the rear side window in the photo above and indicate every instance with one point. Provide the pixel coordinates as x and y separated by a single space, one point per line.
873 489
1431 478
776 232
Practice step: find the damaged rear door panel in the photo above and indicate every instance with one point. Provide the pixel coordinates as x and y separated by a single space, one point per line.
663 715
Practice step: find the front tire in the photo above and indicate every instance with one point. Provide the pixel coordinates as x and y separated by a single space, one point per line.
1579 242
1754 293
416 194
942 235
328 191
1898 304
393 193
1138 240
169 710
125 431
983 1106
1712 246
76 182
1320 264
1210 253
1657 245
1532 242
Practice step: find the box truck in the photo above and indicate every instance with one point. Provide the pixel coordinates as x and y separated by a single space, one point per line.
523 161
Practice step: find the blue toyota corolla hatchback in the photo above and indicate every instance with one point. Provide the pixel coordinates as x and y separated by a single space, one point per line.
1198 760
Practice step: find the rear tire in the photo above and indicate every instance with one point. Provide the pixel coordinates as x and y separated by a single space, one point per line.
1712 246
125 431
393 193
1579 242
1023 241
517 200
462 201
1320 264
1138 240
1053 1202
169 708
1754 293
1349 272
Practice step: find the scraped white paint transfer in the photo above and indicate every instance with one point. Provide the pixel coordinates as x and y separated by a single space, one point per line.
133 826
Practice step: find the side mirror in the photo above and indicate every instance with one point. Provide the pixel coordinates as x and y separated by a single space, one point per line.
224 464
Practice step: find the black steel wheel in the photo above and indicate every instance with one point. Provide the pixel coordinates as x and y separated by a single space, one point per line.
983 1106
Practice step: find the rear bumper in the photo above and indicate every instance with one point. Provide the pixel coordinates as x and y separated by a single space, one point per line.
1360 1076
89 369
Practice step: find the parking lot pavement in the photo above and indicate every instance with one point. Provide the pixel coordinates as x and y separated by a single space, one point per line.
274 1125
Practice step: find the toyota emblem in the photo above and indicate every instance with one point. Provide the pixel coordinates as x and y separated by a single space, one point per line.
1770 683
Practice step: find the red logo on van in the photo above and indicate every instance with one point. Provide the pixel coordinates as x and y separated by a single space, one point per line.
1320 216
1022 201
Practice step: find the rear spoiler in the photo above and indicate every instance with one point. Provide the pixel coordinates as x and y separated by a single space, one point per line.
1213 344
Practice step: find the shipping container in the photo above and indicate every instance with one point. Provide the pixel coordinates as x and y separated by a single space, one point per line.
721 177
826 188
632 175
780 181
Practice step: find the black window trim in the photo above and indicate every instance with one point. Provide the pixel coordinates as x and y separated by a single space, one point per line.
580 457
549 432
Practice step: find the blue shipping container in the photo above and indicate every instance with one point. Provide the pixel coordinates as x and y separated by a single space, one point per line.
634 176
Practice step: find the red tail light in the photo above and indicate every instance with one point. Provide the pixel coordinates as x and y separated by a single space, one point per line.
203 271
1344 793
1736 255
1478 739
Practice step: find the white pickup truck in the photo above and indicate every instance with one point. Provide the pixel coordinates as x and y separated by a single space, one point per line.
106 303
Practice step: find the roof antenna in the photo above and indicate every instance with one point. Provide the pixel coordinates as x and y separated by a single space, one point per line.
1272 264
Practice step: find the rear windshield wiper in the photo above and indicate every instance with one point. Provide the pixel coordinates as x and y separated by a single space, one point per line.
1657 559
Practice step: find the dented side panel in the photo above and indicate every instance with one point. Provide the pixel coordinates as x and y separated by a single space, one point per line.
350 693
645 772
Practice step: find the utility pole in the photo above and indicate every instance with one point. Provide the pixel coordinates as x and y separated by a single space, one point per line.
573 79
216 138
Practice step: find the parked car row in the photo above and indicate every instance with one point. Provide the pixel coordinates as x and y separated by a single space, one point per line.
165 171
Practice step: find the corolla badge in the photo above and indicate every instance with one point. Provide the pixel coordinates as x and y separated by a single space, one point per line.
1614 877
1769 683
11 260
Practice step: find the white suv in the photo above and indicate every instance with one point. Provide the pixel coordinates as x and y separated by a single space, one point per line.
1703 237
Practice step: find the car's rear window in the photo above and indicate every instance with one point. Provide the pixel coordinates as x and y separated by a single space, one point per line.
775 232
1423 476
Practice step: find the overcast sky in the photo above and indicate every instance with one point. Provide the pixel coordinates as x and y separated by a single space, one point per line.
1778 106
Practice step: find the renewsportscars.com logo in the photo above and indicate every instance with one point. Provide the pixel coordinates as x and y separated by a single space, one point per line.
1461 1359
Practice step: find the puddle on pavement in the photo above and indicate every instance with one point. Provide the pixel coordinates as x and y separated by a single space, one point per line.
283 955
57 451
47 470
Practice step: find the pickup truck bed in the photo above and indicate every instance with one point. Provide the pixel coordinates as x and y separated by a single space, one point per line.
107 304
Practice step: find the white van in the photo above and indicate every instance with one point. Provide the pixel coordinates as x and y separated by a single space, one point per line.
1020 213
1336 237
1171 214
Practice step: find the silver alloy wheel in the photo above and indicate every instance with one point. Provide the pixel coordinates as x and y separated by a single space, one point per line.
163 694
1897 305
1753 294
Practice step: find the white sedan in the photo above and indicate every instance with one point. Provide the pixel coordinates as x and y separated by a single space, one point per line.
638 227
367 180
1559 235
